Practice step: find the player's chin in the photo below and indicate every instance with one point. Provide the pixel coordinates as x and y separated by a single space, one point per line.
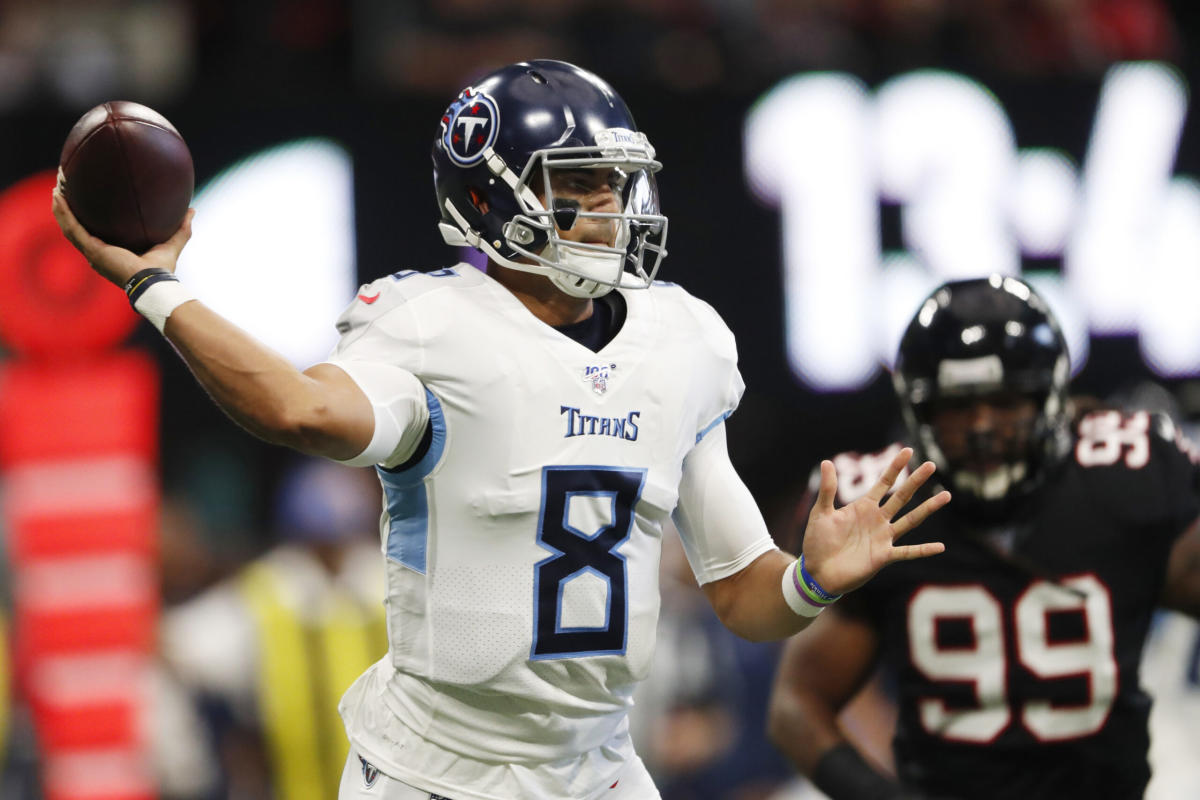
599 240
599 233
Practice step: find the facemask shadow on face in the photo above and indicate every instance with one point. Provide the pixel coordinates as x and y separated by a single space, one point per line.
987 441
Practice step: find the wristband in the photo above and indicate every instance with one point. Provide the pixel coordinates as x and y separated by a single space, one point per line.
142 280
155 293
794 595
812 588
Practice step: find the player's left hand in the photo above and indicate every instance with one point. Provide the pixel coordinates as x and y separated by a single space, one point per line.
844 547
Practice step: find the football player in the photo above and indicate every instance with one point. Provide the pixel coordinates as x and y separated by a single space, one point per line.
1015 654
533 425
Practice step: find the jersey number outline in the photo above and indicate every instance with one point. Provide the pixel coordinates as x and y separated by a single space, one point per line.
985 663
576 552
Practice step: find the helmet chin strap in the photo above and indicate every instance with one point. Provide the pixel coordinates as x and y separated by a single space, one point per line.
574 266
573 285
579 287
584 262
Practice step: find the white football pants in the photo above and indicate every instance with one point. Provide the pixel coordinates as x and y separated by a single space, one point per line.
635 783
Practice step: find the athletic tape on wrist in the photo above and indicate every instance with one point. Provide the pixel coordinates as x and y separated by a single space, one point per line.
798 601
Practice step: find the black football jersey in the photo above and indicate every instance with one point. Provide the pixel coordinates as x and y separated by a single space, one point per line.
1015 653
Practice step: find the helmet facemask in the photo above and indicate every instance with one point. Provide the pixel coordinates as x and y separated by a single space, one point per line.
994 443
633 245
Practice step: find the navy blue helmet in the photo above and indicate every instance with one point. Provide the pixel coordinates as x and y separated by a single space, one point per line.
501 140
986 337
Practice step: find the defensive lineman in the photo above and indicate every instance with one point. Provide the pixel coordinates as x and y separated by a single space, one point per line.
1015 654
532 428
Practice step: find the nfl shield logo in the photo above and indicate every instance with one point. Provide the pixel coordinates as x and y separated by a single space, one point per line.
597 376
370 773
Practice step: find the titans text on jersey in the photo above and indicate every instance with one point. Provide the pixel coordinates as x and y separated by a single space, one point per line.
581 424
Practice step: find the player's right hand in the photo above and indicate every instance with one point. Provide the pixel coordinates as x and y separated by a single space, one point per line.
116 264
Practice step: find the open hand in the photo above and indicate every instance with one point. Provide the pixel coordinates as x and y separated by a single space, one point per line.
113 263
844 547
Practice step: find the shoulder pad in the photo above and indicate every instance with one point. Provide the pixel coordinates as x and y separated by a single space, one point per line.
694 318
1164 428
380 296
412 283
1141 465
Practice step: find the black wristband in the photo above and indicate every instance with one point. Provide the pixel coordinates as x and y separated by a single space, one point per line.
143 280
843 774
140 276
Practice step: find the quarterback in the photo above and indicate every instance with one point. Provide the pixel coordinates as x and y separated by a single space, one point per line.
1015 654
533 425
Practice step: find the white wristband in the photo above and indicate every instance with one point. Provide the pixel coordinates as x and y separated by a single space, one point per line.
792 595
158 301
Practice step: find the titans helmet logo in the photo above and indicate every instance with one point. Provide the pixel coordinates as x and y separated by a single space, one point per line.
469 127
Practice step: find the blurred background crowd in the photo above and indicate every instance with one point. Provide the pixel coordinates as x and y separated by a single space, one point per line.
265 567
71 51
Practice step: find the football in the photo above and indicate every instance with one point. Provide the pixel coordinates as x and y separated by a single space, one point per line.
127 175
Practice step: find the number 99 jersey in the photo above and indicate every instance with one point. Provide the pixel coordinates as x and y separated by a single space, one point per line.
523 546
1016 652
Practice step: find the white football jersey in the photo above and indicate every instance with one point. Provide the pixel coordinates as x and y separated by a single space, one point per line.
523 547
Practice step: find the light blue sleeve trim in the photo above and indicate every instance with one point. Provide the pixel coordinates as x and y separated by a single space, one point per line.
704 431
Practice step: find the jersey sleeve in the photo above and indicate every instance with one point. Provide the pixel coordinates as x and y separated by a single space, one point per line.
722 385
1181 472
380 350
1143 466
379 325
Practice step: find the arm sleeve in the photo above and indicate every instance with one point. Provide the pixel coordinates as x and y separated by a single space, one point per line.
719 523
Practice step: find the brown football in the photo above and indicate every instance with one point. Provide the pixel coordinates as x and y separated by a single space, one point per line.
128 175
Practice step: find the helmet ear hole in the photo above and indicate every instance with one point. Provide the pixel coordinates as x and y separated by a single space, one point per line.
478 200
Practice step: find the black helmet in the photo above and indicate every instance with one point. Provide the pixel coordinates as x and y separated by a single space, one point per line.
980 337
498 143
